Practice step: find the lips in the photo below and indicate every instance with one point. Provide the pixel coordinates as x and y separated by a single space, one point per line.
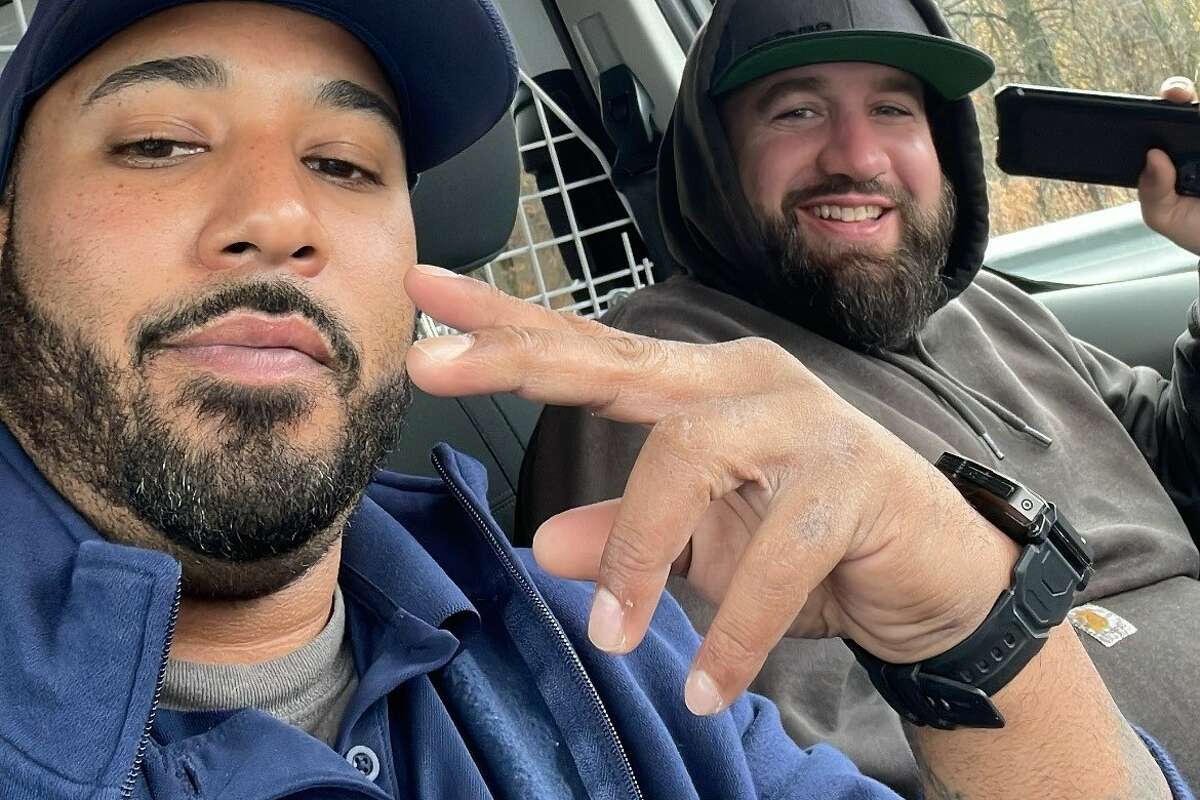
253 332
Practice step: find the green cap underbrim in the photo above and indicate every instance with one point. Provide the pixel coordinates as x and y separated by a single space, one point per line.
950 68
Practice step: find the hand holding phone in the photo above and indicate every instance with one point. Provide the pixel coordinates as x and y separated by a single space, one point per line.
1163 209
1095 137
1118 140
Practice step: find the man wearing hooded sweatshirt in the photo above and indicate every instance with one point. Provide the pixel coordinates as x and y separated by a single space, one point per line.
821 184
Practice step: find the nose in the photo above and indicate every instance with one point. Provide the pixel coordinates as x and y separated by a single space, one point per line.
265 217
854 149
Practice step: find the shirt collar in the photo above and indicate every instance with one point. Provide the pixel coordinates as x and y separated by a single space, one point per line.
387 569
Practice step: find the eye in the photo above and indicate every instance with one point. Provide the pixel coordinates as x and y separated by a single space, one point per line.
154 152
803 112
891 110
342 171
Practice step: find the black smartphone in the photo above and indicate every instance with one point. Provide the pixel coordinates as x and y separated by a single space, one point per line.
1094 137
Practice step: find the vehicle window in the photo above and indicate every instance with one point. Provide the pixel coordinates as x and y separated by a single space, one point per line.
1094 44
14 18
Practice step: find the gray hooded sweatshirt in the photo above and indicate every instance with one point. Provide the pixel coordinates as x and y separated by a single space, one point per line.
1114 446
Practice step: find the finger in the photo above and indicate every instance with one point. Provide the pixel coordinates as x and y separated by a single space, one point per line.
689 461
467 304
1178 89
625 378
670 489
797 546
1156 185
571 544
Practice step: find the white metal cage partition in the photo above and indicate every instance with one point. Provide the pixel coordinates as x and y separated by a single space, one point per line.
538 254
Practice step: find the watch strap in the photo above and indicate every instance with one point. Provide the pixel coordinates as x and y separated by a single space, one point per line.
953 689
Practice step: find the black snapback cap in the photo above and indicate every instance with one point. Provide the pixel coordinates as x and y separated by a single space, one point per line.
765 36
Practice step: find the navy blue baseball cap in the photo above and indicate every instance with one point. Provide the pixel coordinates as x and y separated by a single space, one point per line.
450 63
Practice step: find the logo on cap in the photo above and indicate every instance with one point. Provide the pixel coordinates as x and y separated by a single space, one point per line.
816 27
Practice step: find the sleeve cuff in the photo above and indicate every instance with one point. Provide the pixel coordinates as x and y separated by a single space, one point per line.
1179 787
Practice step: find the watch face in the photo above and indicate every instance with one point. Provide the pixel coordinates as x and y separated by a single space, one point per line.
1010 519
1002 501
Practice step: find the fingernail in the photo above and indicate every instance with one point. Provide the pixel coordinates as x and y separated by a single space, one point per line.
606 626
437 272
445 348
701 695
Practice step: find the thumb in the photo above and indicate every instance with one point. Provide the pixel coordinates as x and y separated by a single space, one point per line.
570 544
1156 185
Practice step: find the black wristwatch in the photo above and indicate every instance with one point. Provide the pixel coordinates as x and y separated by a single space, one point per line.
954 689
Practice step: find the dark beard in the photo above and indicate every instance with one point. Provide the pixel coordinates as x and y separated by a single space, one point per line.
259 509
856 296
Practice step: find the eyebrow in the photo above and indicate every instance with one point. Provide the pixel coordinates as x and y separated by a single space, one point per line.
195 72
204 72
903 84
787 86
353 97
892 83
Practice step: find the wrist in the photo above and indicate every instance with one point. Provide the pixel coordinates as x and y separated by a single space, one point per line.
991 579
1058 714
954 688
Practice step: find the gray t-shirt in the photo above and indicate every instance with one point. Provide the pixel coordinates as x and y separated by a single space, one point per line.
309 688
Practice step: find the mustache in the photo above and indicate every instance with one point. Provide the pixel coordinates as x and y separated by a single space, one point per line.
276 298
844 184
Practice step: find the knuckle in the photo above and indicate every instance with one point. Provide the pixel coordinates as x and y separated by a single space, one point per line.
681 434
632 552
522 340
580 324
643 355
758 350
734 644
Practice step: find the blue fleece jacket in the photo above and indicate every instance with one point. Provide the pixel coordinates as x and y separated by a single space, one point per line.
437 602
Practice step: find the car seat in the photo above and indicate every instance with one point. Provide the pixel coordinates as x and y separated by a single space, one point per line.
463 213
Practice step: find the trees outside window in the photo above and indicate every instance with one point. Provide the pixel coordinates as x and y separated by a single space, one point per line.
1107 45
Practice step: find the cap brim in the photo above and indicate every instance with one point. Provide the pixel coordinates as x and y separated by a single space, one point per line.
950 68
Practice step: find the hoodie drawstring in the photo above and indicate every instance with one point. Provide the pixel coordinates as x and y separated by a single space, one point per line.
935 378
1007 415
934 383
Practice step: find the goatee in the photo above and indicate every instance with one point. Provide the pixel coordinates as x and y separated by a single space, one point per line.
247 510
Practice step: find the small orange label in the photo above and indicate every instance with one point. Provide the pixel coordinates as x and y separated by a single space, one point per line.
1101 624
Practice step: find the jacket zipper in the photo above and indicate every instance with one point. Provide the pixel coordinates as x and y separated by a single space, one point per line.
131 779
548 618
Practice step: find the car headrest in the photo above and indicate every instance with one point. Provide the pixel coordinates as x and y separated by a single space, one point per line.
464 210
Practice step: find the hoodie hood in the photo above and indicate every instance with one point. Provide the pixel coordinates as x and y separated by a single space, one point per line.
709 225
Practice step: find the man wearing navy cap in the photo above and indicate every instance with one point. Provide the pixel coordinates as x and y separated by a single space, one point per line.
207 295
822 185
